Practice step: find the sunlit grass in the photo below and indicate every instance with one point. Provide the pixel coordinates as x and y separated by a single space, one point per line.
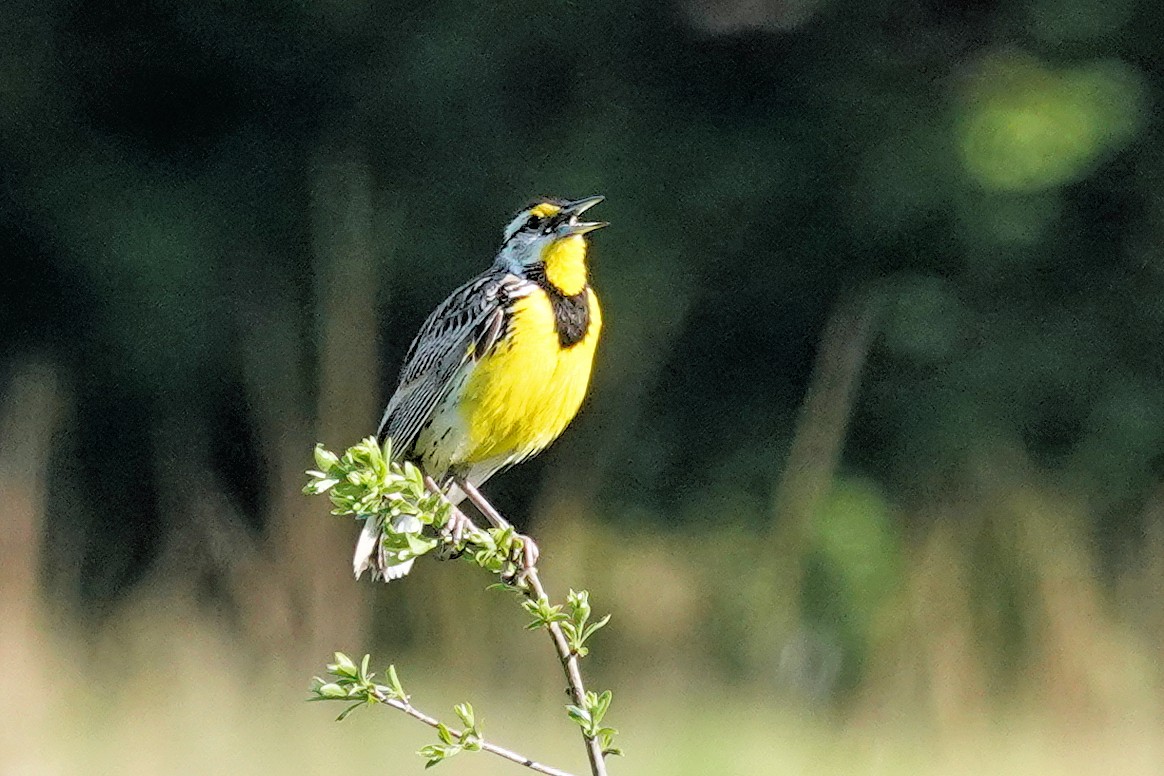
200 717
166 688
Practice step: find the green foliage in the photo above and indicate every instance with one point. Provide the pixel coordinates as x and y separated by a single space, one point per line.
1028 128
574 619
451 742
366 483
353 684
853 569
543 613
589 717
578 627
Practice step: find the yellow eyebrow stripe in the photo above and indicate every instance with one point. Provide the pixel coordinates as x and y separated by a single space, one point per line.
545 210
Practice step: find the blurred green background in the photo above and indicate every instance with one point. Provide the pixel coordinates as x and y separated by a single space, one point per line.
872 471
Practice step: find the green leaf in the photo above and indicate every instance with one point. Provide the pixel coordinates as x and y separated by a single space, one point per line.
344 665
419 545
324 458
500 586
602 703
344 714
319 485
579 715
605 738
579 603
464 712
444 734
437 753
543 613
414 477
394 683
332 690
592 627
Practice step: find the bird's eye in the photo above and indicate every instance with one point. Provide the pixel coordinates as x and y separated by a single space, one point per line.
534 222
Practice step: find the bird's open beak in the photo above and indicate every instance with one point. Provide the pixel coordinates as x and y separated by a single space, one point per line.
574 209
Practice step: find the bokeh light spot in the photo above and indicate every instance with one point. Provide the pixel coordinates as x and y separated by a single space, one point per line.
1027 128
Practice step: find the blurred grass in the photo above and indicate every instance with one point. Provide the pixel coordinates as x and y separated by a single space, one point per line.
168 684
167 688
973 631
966 636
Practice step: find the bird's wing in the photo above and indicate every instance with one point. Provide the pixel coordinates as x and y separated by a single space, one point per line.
458 332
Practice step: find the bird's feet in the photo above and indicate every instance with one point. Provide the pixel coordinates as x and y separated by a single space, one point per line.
529 552
453 533
524 559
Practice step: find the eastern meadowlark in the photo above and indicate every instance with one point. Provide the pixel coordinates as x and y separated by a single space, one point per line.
498 369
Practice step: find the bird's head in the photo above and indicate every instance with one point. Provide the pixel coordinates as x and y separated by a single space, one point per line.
548 236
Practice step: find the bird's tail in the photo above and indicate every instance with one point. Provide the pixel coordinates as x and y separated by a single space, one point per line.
370 554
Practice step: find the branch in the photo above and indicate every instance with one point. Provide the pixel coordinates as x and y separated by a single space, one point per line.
405 514
433 722
535 592
353 684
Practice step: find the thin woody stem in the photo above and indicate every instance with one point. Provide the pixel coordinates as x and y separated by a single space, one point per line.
433 722
491 514
535 591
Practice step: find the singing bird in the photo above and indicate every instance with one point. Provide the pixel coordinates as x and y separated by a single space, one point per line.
500 367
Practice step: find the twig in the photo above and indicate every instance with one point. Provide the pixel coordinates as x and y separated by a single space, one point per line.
535 591
433 722
364 473
478 499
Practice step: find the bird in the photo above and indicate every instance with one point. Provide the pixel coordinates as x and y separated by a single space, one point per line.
499 368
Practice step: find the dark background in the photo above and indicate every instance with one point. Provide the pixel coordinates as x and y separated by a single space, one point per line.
221 224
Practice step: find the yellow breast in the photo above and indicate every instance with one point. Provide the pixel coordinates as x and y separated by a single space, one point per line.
524 394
